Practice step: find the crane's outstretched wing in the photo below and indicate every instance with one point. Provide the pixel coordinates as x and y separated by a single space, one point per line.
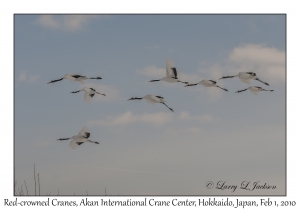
149 99
76 77
87 97
244 77
84 132
157 99
74 143
169 66
174 72
71 77
86 89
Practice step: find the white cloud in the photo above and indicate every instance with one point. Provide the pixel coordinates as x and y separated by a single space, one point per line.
152 71
192 130
180 131
128 117
153 47
268 62
212 72
24 77
190 78
33 78
213 93
257 54
184 115
48 21
111 92
210 93
43 142
65 22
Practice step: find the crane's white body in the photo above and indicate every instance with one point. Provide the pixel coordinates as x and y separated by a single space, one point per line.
254 90
207 83
169 79
73 79
74 143
246 77
152 99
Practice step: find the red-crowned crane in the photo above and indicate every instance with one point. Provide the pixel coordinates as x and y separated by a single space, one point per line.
152 99
88 93
246 77
75 78
171 73
253 89
80 138
207 83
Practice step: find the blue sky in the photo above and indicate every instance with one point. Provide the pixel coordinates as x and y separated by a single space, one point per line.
212 134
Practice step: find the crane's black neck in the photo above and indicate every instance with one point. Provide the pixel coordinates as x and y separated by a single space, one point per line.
76 91
55 80
227 77
191 85
95 78
62 139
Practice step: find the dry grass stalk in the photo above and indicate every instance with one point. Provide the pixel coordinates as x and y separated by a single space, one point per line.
34 179
39 182
26 187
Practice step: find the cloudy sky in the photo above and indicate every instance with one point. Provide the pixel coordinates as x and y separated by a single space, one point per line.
146 149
